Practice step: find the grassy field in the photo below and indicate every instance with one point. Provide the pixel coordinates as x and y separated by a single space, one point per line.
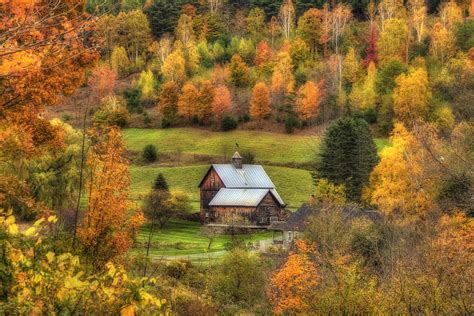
183 238
273 147
294 185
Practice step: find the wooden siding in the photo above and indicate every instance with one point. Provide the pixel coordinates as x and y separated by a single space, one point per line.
259 215
210 185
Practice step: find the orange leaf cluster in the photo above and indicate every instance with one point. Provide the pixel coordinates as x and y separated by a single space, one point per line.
222 102
110 220
260 106
293 282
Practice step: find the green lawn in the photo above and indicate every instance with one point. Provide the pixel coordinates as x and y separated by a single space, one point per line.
294 185
274 147
183 238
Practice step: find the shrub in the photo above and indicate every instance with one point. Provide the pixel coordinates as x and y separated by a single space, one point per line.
117 118
228 123
132 97
290 123
149 153
248 157
66 117
146 118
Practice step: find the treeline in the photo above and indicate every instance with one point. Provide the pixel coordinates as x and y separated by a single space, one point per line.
291 63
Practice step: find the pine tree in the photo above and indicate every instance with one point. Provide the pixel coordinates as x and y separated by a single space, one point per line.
160 183
347 156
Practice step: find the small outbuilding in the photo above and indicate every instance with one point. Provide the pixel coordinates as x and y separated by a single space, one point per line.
239 189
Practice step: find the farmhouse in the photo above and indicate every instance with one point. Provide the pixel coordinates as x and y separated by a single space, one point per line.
239 189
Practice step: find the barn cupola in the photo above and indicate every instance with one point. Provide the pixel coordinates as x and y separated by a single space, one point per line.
237 160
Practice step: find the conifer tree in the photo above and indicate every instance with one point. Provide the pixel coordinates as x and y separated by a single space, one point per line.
347 155
160 183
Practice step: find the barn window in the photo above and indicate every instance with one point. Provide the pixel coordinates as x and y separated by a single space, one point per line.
273 219
213 180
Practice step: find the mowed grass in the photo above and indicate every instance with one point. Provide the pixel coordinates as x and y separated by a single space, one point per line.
183 238
294 185
267 146
274 147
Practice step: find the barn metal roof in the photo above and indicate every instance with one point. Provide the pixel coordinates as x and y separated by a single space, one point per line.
250 176
241 197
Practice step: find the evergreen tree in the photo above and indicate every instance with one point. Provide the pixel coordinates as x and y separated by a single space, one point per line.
163 16
160 183
347 156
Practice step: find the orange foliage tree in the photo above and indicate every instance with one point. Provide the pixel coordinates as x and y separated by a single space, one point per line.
43 56
294 283
222 102
204 104
187 101
308 100
260 102
168 103
263 53
102 82
110 220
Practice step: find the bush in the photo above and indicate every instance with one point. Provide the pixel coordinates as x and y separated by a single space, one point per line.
66 117
228 123
244 118
132 97
290 123
248 157
166 122
117 118
146 118
149 153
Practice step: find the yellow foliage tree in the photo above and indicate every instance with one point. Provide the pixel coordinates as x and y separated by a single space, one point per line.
363 95
399 182
411 96
38 281
283 81
174 67
443 42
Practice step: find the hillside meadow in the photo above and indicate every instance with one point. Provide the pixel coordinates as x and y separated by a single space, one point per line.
267 147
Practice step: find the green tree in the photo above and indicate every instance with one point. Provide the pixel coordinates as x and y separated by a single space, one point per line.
309 28
160 183
347 155
393 41
156 206
149 153
238 279
133 33
120 62
163 16
256 23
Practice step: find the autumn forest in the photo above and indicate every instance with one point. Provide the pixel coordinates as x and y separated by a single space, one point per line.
360 111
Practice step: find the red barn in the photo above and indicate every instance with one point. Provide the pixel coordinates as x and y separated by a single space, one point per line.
239 189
